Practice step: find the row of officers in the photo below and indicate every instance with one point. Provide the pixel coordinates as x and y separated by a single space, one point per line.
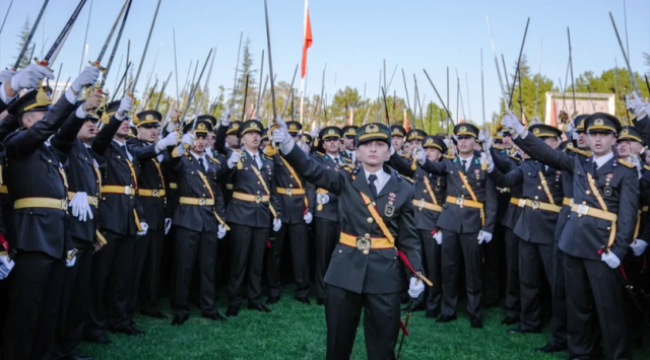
86 206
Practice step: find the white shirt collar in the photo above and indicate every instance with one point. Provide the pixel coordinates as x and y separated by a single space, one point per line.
468 160
257 157
603 159
204 157
382 179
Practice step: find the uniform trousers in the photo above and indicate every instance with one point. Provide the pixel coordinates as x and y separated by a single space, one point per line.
34 299
534 260
75 300
595 298
149 283
460 248
326 238
192 247
431 256
299 241
381 316
248 245
513 297
109 289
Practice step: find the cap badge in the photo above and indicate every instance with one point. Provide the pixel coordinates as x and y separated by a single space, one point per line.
372 128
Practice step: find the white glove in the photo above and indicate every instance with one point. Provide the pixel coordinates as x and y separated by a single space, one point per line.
490 163
144 227
438 237
308 217
126 106
510 121
168 225
80 207
484 237
281 133
225 120
71 259
322 199
6 75
421 156
635 103
610 259
277 224
5 266
221 232
28 77
187 139
314 132
638 246
234 159
87 77
169 140
416 287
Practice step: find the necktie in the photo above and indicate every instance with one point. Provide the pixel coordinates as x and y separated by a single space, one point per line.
373 188
464 164
336 160
595 167
201 163
255 160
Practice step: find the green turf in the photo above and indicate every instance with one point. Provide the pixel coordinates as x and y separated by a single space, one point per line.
297 331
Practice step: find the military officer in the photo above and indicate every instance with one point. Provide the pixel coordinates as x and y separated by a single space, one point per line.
506 159
254 206
397 137
13 82
467 221
120 221
597 235
364 271
84 178
430 191
415 137
296 215
40 246
147 253
327 227
542 194
199 220
349 151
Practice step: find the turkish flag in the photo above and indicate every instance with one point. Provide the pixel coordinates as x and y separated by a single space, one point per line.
306 44
406 121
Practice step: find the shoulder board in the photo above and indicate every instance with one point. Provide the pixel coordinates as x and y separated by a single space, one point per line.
514 157
347 159
320 153
267 157
405 178
450 157
214 159
498 147
646 167
407 156
626 163
586 153
347 167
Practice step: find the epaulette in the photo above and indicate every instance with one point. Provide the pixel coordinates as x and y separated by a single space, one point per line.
347 159
626 163
267 157
214 159
348 168
514 157
498 147
406 156
405 178
320 153
646 167
586 153
450 157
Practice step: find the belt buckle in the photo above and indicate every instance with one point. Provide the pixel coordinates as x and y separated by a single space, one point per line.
155 193
258 199
289 192
128 190
460 202
583 209
534 204
201 201
421 203
571 202
522 203
363 244
64 205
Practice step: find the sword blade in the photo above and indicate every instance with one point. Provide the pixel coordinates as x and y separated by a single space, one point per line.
31 34
146 46
58 43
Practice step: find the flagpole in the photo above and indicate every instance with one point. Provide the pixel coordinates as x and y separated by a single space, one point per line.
302 81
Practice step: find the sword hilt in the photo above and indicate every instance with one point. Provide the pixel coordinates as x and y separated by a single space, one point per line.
43 63
97 65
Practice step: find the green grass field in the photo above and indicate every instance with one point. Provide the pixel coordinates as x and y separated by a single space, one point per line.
297 331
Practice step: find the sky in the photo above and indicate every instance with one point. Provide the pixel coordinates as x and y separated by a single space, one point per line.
352 37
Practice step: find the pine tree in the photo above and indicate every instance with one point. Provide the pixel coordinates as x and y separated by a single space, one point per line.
245 69
22 36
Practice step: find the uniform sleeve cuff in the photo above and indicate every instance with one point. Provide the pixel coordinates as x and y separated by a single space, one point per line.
3 95
80 113
118 117
287 147
70 96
